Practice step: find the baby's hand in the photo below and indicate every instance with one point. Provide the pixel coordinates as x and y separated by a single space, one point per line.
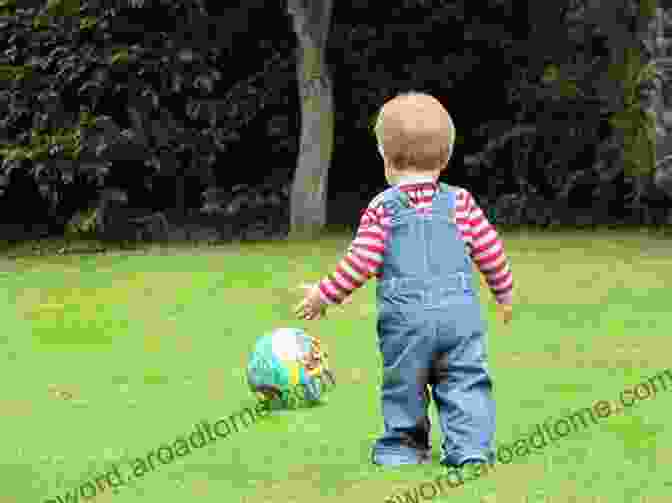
311 307
506 312
308 287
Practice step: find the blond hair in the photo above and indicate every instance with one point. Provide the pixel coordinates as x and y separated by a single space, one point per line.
415 132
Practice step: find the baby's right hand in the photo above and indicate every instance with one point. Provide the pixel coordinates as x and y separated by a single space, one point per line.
506 311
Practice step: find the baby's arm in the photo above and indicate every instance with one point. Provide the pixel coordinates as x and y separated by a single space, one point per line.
363 259
487 251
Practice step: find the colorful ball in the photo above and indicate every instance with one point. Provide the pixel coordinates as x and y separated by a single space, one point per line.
289 367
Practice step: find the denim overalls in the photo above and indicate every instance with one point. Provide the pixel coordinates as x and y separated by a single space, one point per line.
430 332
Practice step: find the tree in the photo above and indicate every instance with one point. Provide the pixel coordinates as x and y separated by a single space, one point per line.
637 126
587 88
308 202
163 85
660 101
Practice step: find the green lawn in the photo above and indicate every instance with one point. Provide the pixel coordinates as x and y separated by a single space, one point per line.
110 356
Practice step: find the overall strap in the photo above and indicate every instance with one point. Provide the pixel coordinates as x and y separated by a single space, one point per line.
442 187
451 192
394 198
403 197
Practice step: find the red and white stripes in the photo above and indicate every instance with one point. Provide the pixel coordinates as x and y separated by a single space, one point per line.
365 254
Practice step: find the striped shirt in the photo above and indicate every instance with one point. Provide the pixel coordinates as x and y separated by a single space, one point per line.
366 253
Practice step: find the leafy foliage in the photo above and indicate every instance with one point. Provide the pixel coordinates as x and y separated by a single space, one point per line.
83 222
83 94
71 83
582 86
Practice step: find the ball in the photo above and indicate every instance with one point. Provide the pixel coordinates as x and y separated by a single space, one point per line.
289 367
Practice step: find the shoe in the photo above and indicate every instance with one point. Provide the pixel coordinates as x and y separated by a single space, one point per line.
472 469
420 457
472 461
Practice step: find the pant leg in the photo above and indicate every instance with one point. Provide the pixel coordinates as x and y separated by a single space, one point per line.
462 388
406 347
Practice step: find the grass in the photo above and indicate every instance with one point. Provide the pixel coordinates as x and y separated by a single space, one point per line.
110 356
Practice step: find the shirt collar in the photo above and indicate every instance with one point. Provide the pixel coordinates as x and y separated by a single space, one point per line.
415 179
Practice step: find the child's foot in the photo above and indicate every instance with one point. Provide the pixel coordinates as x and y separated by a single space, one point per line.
471 466
419 457
471 462
471 469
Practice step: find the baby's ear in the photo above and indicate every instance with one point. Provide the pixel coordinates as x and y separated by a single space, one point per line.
445 158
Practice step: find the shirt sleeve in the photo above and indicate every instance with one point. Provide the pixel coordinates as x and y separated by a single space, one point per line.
487 251
363 258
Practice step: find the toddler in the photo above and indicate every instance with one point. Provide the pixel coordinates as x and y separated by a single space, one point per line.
419 239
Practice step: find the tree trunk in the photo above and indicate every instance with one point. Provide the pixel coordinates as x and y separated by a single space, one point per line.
629 27
663 174
646 28
308 201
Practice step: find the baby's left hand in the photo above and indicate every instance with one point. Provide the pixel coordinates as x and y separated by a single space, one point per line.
311 307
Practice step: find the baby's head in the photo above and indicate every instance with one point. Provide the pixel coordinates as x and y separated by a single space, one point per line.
415 136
